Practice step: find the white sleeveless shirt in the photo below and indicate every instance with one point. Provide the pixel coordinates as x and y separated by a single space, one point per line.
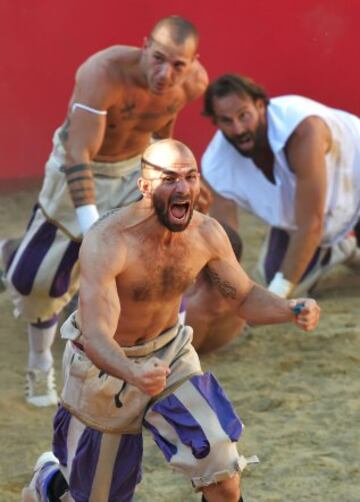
237 178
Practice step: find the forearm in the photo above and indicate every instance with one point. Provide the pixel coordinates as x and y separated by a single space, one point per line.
107 355
82 192
302 246
263 307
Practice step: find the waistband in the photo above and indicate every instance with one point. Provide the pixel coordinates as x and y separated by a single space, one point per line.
141 350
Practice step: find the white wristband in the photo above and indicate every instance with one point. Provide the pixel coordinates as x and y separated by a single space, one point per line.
87 215
280 286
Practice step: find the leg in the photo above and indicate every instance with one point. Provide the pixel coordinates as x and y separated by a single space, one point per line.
40 377
196 428
42 278
227 491
96 465
47 483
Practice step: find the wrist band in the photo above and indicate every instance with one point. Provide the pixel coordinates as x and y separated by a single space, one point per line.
280 286
87 215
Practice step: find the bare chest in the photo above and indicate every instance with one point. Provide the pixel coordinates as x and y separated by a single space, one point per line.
145 112
157 279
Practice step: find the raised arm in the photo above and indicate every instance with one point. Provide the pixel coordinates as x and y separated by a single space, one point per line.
306 151
249 300
82 136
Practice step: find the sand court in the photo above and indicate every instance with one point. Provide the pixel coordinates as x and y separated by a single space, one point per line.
297 393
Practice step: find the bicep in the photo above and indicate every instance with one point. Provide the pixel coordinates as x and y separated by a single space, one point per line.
85 128
99 300
306 152
224 271
85 134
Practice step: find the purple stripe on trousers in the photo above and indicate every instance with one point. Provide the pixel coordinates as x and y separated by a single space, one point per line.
127 467
60 431
61 280
216 398
11 257
165 446
277 246
186 427
31 258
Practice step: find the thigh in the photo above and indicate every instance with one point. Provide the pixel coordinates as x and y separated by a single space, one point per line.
43 274
197 428
96 465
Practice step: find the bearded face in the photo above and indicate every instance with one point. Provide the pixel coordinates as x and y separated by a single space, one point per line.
174 211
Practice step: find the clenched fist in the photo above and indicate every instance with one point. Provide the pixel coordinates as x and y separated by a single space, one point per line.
306 313
151 376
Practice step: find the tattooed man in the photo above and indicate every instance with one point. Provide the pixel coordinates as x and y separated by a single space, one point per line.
129 362
124 98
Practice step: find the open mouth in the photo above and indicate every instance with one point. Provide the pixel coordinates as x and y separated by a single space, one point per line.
244 140
179 210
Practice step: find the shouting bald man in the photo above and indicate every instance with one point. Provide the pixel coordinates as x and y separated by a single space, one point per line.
124 98
129 362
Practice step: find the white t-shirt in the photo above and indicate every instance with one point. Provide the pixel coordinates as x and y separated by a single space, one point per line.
237 178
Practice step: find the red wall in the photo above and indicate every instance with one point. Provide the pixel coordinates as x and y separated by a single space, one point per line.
308 47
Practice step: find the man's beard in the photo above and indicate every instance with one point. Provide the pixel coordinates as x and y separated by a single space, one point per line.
255 136
162 212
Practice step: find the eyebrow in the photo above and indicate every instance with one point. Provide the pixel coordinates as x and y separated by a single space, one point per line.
174 173
167 171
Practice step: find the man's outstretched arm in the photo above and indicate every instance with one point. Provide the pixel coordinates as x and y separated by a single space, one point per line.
249 300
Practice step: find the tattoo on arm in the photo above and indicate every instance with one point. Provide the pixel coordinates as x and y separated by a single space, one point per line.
225 288
80 183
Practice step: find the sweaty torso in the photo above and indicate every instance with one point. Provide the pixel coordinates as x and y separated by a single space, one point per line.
134 112
154 279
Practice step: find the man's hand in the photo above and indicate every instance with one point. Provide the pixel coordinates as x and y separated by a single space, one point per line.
151 376
306 313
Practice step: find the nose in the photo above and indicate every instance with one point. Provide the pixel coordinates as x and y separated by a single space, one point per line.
237 127
166 71
182 186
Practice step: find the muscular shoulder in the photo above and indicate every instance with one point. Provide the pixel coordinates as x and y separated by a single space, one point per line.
197 82
102 75
312 128
213 234
104 245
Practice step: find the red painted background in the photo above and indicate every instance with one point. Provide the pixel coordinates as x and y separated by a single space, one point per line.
307 47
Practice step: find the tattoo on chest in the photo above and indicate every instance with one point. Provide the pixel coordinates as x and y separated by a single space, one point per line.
224 287
128 110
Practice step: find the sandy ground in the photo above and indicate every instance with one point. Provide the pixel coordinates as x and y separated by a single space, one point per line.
297 393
